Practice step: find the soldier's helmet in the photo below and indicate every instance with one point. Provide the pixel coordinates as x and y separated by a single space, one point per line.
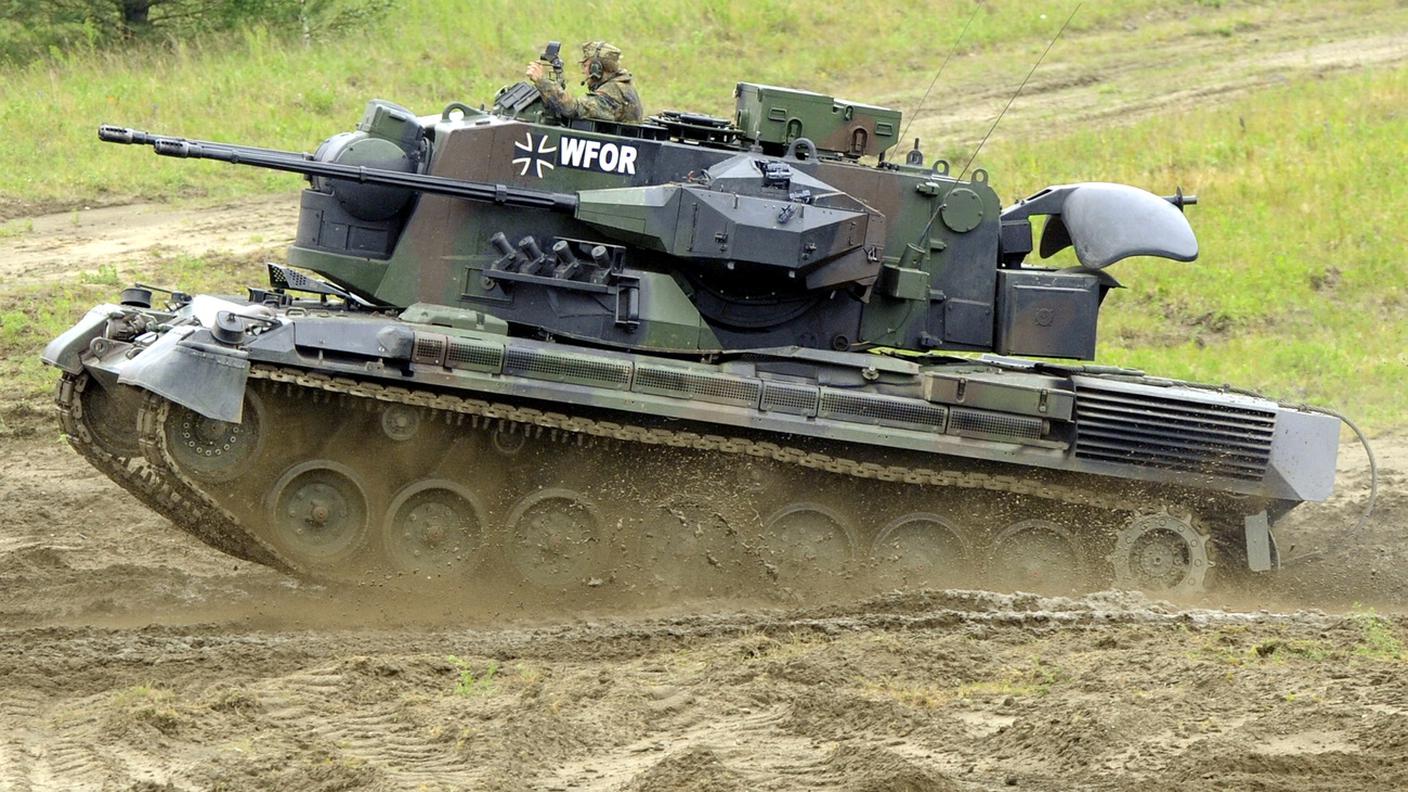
602 58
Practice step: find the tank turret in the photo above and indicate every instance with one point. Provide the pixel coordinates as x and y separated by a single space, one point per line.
734 246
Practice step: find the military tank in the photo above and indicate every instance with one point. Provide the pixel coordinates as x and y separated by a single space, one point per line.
508 351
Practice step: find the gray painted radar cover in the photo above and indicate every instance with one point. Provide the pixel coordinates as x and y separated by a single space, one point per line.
1109 222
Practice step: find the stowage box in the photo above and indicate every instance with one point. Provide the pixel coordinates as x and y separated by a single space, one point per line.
1047 314
777 116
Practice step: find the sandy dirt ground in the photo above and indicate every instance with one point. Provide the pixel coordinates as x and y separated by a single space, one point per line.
134 658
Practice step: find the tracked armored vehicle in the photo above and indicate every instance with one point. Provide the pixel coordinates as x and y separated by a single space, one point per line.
680 355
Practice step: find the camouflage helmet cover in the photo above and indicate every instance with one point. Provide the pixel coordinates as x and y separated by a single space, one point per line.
604 53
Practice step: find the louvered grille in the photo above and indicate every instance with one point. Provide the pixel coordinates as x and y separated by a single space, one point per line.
575 368
965 421
794 399
1158 430
429 349
685 384
471 354
878 409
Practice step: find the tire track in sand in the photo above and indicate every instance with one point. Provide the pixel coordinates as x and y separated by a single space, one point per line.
375 733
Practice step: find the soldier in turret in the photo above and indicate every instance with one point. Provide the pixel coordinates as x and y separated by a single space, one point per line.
611 95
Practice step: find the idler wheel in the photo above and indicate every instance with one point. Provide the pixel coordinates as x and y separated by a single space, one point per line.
1037 555
1162 554
807 544
920 550
110 416
556 539
434 526
215 451
318 513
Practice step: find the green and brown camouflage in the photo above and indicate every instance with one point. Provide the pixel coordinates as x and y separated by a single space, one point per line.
725 286
613 99
929 262
611 92
600 58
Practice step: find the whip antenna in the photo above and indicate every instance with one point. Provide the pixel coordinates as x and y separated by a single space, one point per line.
915 112
995 121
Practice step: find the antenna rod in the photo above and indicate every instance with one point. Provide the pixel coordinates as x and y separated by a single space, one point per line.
915 112
995 121
1019 90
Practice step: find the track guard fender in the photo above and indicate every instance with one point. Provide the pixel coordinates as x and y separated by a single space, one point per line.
202 377
66 351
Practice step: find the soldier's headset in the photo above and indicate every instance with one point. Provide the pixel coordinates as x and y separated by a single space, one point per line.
594 67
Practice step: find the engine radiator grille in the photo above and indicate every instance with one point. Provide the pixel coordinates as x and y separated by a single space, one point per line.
473 354
568 367
986 423
682 383
874 408
1163 431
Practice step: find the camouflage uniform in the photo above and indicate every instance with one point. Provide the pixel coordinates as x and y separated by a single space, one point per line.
612 97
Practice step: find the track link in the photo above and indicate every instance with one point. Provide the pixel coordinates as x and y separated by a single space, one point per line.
151 484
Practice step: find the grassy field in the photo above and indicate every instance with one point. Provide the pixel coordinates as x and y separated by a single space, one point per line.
271 92
1300 290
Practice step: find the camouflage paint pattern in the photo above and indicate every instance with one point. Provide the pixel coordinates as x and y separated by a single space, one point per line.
611 93
697 248
431 265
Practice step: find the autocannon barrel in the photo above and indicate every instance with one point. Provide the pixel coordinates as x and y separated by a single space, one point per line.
294 162
116 134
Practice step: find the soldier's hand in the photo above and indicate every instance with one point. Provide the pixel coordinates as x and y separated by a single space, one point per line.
535 71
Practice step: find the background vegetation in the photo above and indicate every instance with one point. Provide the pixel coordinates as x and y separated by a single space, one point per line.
1300 289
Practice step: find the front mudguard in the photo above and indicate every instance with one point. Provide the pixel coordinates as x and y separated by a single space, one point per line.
204 377
181 364
66 352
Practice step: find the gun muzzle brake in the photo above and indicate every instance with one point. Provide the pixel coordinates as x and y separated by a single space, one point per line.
168 147
115 134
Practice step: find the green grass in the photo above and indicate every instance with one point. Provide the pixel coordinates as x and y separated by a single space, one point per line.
148 708
105 275
17 228
1377 640
468 681
259 89
1300 289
